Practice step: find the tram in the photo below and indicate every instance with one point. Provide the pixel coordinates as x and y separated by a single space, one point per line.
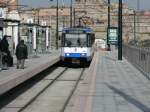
77 45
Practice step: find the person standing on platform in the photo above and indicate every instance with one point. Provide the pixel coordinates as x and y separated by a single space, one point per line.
21 54
4 48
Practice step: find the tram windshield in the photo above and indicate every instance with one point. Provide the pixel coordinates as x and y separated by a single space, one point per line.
75 40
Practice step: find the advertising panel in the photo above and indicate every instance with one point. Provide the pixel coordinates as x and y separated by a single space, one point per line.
113 35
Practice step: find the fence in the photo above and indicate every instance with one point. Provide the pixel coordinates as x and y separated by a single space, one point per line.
139 57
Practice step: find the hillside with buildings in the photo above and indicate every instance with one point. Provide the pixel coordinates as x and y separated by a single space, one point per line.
18 22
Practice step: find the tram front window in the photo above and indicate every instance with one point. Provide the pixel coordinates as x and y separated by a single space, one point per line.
75 40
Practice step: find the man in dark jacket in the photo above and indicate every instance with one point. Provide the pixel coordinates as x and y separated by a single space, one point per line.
4 48
4 45
21 54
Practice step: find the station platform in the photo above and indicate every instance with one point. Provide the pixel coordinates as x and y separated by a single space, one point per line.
35 64
111 86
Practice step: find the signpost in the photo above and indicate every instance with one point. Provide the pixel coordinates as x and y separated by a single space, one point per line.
113 35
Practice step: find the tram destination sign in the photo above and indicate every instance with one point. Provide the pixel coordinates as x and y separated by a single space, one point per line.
113 35
75 31
78 30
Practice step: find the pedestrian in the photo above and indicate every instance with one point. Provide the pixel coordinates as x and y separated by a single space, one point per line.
9 59
4 48
21 54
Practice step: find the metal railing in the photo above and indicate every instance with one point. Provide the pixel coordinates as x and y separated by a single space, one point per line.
139 57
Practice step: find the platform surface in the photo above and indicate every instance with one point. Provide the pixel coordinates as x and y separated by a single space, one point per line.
34 65
111 86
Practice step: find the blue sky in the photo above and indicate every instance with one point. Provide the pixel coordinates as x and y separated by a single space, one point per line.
144 4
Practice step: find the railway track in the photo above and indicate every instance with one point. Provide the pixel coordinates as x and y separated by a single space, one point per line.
51 94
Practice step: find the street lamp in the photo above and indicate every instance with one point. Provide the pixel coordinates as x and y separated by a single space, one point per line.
138 19
74 18
134 13
56 25
108 21
71 13
120 30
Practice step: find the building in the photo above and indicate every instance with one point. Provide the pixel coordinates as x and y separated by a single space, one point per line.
11 21
47 17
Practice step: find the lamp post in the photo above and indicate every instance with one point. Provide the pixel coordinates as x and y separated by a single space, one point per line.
38 31
71 13
134 13
74 18
108 27
120 30
138 20
56 25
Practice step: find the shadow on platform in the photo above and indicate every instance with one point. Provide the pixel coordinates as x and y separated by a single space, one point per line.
130 99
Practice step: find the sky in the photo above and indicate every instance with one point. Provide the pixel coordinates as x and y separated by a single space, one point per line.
144 4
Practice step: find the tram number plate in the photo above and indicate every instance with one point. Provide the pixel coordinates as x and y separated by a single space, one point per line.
75 61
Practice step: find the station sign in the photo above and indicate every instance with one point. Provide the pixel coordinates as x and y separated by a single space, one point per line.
113 35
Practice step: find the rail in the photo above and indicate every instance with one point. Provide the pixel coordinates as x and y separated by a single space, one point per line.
139 57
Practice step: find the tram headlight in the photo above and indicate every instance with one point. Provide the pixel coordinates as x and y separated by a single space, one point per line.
68 54
83 54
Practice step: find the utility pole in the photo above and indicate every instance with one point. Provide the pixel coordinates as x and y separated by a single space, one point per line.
57 26
138 20
57 34
134 14
74 17
108 27
71 14
120 30
37 13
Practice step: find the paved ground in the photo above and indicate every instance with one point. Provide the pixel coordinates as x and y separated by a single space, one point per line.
11 77
111 86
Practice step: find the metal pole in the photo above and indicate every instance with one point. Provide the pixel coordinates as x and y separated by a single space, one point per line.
134 13
63 21
38 33
74 16
108 21
71 14
138 19
57 26
79 21
120 30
